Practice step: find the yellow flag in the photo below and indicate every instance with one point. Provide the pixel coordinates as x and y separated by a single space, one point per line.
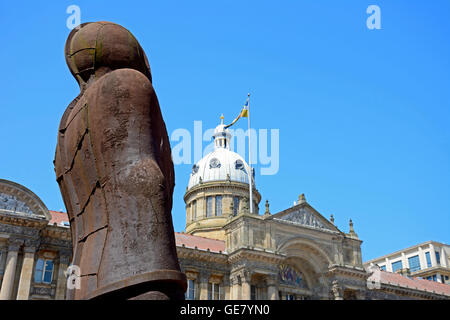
242 114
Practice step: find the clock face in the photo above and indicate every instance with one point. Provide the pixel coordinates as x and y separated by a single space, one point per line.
239 165
214 163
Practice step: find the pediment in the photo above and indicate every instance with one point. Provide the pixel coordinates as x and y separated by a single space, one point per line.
305 215
17 200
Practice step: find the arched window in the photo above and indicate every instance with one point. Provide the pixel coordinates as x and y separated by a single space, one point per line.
209 206
194 210
218 205
235 205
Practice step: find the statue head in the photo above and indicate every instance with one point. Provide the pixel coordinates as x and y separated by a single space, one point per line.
96 48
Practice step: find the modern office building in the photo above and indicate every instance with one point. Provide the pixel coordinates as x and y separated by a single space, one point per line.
429 260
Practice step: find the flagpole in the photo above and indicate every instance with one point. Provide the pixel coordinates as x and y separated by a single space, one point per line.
250 174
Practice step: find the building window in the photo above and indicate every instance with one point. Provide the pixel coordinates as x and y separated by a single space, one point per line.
414 263
427 255
397 266
290 297
194 210
218 205
235 205
190 292
383 268
44 271
213 291
209 206
438 258
252 292
434 278
429 278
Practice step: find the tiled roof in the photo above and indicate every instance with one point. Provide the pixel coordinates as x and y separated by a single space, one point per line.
201 243
181 239
58 217
414 283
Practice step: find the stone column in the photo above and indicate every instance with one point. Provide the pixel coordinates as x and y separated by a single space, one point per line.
388 265
235 287
203 286
404 261
433 256
61 283
337 291
422 259
272 288
245 287
23 293
10 270
444 258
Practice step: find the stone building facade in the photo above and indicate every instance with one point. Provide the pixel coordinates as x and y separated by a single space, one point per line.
226 251
35 246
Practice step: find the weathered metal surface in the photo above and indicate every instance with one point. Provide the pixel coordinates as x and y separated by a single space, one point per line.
115 172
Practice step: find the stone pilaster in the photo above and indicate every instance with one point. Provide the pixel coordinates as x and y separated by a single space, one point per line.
272 287
61 283
235 287
203 285
433 256
337 290
26 273
245 287
10 270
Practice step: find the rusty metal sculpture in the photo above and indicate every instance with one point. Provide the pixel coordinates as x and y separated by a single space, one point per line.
114 169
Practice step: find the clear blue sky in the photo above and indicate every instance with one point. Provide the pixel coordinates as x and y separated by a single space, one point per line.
363 114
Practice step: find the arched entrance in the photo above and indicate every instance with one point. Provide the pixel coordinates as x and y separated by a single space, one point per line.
303 273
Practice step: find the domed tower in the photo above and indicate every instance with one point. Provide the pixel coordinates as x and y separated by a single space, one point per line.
218 189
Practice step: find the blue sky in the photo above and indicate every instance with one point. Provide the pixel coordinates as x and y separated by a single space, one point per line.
363 114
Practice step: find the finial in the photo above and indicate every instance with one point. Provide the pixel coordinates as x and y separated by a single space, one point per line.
248 94
221 119
301 199
351 230
332 219
267 207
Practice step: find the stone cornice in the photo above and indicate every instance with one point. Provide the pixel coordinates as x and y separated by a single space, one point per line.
62 233
356 272
24 221
220 185
410 292
204 255
256 255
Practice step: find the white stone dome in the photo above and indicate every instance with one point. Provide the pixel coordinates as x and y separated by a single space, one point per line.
222 164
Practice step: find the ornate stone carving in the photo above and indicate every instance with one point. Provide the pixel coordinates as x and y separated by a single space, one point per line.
304 216
11 203
19 230
14 244
43 291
